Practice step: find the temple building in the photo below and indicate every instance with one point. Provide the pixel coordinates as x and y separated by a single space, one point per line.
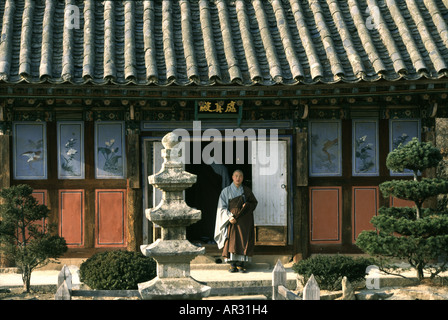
89 88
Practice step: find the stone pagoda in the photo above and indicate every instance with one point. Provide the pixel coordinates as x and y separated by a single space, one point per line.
173 252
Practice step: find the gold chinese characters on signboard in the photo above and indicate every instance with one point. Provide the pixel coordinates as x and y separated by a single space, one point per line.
218 107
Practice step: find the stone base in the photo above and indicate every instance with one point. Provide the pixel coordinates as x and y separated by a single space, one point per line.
173 289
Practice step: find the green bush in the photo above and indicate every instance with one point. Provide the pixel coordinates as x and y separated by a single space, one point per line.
329 270
415 156
418 235
117 270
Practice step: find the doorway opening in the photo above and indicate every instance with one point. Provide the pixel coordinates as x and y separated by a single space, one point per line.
204 194
270 183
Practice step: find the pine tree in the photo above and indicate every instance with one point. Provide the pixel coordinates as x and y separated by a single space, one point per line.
25 235
418 235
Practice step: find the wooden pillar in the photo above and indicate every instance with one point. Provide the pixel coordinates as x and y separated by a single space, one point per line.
301 159
5 166
5 179
134 193
301 225
89 213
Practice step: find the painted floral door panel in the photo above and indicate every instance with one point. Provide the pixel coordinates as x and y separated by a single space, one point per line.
71 150
109 150
365 160
325 148
30 150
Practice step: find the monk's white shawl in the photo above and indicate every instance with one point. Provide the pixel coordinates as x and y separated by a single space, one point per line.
223 214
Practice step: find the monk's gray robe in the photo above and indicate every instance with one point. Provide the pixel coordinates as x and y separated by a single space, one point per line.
237 240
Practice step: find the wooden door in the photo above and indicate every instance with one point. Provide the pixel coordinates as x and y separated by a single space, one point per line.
71 217
365 205
110 218
269 185
325 215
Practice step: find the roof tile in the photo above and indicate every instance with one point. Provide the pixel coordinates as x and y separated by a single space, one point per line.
207 42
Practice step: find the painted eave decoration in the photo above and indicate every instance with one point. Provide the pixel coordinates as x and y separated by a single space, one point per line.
221 42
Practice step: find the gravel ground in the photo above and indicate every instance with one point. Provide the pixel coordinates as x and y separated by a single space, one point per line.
18 294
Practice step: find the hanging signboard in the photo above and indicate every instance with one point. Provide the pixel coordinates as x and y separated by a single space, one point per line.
219 110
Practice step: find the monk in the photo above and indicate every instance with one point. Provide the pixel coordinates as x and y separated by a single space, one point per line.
234 228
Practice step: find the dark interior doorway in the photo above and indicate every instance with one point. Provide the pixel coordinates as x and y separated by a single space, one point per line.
204 194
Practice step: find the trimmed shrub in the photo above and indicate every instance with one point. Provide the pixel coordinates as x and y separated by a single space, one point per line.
117 270
329 270
417 235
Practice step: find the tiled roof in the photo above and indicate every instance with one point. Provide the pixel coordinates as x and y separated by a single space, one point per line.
207 42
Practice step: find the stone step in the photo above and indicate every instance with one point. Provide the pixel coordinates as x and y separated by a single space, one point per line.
224 266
